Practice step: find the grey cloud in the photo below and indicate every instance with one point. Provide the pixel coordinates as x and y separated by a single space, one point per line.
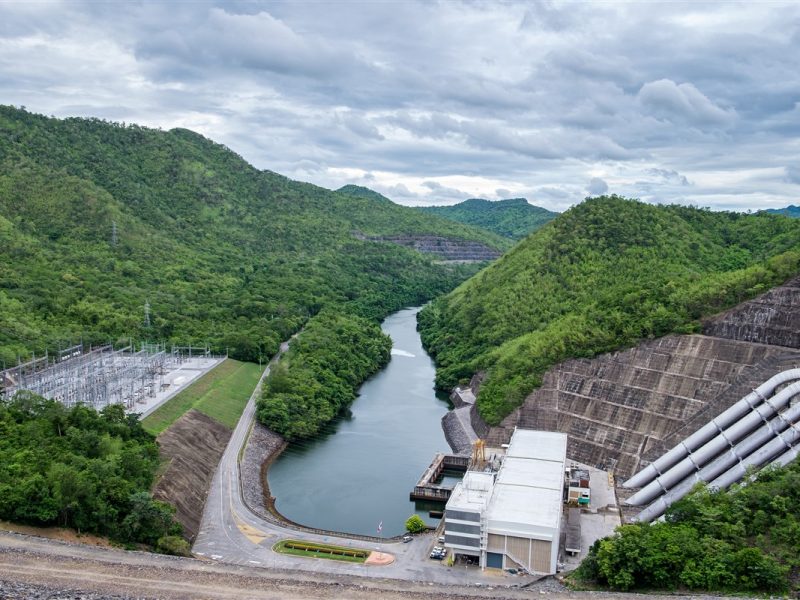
792 174
668 176
361 126
256 41
683 102
597 187
440 192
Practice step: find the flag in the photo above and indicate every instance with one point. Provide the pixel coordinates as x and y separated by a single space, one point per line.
380 526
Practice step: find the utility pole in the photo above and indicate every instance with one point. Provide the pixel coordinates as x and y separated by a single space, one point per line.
113 233
147 313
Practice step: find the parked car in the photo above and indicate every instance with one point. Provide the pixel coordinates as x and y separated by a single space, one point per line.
441 539
407 538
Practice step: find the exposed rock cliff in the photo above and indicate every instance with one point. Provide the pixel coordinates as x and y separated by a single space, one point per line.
445 248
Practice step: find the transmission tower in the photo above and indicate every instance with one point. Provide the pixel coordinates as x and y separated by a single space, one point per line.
147 313
113 233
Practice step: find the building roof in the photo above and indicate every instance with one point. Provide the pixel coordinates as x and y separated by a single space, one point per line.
525 497
471 493
544 445
525 511
528 494
532 472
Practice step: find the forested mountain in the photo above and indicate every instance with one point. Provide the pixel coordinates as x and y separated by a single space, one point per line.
97 219
601 276
513 218
789 211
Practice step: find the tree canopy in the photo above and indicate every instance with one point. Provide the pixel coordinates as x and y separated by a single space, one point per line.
514 218
319 375
79 468
745 539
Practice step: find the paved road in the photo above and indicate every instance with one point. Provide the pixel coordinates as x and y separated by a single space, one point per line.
231 533
33 567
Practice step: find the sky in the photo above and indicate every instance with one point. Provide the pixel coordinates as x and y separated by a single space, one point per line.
437 102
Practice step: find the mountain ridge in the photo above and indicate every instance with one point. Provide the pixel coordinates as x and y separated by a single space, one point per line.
97 219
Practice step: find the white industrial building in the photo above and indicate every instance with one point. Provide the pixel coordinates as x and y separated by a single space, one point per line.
512 518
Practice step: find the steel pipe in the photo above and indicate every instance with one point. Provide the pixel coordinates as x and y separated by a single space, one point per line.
711 429
698 458
744 453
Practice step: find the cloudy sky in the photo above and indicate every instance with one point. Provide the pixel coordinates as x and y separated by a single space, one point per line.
436 102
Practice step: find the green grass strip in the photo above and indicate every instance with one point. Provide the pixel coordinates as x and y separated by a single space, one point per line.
316 550
221 394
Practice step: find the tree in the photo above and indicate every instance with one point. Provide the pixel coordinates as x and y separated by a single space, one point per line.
415 524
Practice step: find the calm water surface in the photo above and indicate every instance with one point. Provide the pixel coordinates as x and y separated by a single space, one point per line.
361 470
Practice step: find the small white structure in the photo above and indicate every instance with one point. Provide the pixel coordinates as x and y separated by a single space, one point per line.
512 518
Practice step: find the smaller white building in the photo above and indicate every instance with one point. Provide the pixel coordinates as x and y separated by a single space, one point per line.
512 518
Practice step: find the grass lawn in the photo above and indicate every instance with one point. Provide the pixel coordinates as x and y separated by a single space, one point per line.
221 394
316 550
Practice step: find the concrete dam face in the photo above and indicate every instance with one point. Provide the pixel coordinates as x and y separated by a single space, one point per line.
624 409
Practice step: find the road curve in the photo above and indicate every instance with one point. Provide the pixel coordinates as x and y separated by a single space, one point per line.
231 533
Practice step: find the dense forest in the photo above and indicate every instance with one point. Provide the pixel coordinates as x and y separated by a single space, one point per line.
514 218
319 375
602 276
742 540
98 219
78 468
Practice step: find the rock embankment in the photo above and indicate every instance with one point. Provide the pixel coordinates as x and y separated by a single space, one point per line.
263 446
772 318
445 248
618 406
454 433
192 447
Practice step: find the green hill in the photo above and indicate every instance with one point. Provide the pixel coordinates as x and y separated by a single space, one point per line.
359 191
513 218
789 211
601 276
98 218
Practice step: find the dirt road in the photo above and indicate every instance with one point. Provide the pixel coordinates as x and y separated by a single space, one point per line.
33 567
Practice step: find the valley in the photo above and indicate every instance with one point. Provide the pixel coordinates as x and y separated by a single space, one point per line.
623 325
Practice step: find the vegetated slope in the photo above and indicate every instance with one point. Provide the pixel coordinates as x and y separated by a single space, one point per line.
789 211
602 276
318 376
741 540
96 219
514 218
446 248
76 467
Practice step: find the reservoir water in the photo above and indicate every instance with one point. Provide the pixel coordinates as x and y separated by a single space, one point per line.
359 472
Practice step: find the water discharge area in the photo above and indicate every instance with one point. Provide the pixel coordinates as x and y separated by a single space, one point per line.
359 471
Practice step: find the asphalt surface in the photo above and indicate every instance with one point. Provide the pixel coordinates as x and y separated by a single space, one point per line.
231 533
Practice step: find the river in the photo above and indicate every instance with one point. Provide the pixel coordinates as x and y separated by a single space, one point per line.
359 472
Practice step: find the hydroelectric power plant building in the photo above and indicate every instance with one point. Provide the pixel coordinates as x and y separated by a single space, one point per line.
512 518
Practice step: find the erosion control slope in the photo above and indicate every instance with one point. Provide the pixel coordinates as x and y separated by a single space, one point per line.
193 446
624 409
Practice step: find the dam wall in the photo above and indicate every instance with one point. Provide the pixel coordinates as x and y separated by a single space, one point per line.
621 410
